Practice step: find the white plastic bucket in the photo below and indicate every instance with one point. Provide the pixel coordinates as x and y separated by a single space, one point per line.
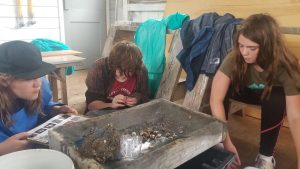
36 159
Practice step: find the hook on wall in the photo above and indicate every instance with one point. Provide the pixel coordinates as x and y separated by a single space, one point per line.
19 18
30 20
19 14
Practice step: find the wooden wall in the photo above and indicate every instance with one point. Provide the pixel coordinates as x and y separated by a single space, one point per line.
124 11
287 12
48 15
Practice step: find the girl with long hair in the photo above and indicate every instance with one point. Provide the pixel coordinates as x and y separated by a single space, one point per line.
260 70
25 95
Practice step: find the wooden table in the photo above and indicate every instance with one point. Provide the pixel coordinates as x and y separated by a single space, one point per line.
61 62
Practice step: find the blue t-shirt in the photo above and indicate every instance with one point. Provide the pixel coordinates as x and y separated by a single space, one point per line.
23 122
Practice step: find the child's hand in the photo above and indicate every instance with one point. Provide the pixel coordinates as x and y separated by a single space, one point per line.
131 101
118 101
65 109
14 143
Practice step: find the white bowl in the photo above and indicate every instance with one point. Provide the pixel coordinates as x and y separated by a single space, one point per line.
36 159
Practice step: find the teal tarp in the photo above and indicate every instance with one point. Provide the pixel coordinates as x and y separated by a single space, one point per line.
150 37
46 45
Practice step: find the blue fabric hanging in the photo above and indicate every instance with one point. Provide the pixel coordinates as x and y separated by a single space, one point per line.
46 45
206 40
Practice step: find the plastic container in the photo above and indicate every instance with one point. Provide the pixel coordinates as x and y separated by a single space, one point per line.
36 159
213 158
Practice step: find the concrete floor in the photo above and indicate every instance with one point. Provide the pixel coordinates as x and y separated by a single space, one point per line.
244 130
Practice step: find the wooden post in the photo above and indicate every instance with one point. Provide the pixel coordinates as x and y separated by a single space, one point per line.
63 84
109 41
53 84
193 99
172 71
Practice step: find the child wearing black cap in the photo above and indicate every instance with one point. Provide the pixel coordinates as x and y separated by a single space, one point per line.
25 96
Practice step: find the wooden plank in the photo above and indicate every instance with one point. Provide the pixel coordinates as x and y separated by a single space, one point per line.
34 2
39 12
64 60
286 12
124 35
41 23
291 30
60 52
235 106
154 7
109 41
29 34
293 42
172 70
117 33
205 105
193 99
147 1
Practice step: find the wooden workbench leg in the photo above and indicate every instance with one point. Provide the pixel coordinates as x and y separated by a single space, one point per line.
63 84
53 84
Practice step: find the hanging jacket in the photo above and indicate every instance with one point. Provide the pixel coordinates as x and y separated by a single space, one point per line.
206 41
195 36
221 43
150 37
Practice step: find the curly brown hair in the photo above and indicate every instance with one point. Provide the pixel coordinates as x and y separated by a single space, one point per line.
273 52
126 57
8 102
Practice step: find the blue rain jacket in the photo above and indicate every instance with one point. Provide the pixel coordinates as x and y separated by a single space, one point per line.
206 41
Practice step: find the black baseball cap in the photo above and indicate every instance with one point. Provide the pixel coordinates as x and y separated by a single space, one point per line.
23 60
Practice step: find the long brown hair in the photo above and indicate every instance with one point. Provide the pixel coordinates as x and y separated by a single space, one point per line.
273 52
126 57
8 101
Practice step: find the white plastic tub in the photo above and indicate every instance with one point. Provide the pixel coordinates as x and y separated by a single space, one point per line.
36 159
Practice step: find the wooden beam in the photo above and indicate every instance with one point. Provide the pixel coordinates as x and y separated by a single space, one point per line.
291 30
172 71
194 99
